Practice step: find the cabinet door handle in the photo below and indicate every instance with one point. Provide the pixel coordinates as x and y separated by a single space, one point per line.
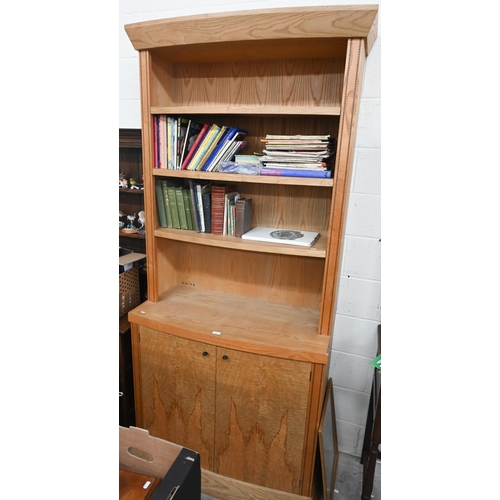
225 356
205 353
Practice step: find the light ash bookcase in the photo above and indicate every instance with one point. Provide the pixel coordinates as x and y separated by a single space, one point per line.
231 351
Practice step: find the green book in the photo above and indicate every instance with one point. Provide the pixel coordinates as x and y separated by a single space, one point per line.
187 206
172 203
160 205
180 207
167 205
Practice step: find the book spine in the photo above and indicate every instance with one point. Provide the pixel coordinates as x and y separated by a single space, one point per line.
155 140
199 199
172 201
160 205
194 206
217 210
182 124
184 144
296 172
187 206
167 204
207 211
243 216
180 207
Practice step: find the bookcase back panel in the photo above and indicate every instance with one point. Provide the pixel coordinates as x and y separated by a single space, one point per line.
309 83
276 206
277 278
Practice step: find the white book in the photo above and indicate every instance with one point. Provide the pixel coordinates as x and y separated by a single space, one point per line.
285 236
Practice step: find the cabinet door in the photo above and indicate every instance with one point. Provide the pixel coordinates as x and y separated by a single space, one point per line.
178 391
261 418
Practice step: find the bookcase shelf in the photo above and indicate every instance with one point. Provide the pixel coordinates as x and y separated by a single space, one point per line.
240 178
242 323
318 250
249 110
232 349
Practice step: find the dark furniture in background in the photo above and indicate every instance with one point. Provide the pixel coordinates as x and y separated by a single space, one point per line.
131 200
126 379
372 440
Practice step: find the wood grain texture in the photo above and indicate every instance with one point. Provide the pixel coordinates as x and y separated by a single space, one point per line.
261 417
178 382
270 24
307 83
131 485
227 488
272 279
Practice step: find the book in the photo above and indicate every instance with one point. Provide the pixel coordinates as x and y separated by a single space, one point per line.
180 207
167 203
187 207
281 236
207 211
155 140
194 206
160 205
182 124
217 207
243 217
228 198
172 201
195 141
289 172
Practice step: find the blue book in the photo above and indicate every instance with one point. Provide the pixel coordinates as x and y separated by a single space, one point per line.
231 137
289 172
228 133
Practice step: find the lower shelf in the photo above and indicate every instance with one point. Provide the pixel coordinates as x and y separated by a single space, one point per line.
240 323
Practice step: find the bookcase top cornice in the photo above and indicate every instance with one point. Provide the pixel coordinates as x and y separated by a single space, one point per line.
284 24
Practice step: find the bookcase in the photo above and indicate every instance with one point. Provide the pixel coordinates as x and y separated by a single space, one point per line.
131 201
231 351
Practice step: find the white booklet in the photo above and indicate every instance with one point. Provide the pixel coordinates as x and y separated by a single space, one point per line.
286 236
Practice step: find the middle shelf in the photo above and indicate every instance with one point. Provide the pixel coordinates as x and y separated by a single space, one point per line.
232 321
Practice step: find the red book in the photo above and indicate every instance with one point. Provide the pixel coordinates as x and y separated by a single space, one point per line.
194 147
217 209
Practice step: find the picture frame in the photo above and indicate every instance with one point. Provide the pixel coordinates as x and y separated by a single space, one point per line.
328 443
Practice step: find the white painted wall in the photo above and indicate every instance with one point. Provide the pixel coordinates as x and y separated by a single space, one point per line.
359 303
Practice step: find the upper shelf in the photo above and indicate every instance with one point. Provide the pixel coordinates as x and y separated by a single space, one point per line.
255 179
295 32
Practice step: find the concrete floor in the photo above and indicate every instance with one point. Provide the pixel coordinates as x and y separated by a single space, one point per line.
349 480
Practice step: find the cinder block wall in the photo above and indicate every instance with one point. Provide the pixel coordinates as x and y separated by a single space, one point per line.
359 302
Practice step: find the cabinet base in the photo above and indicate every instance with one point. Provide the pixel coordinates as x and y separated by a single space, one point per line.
226 488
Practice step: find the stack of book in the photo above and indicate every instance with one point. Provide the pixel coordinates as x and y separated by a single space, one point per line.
298 155
185 144
203 207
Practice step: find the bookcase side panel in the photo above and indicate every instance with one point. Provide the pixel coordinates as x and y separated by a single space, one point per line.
148 162
355 62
